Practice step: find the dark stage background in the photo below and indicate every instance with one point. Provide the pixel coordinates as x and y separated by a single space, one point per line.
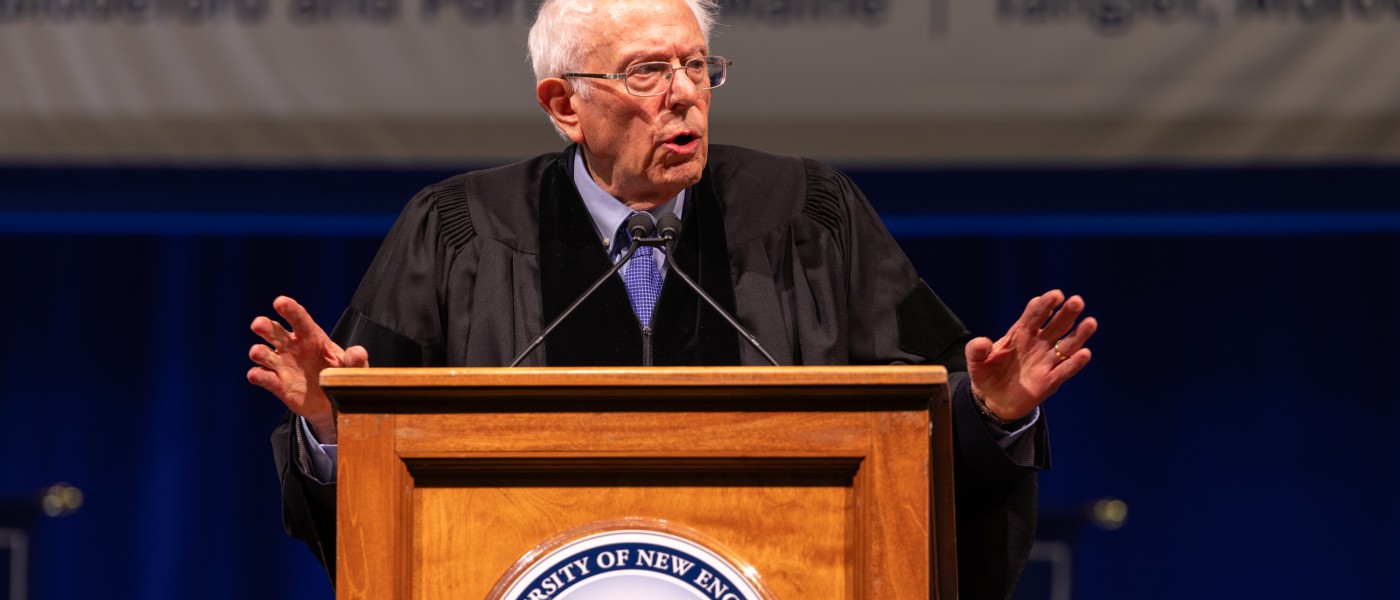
1241 400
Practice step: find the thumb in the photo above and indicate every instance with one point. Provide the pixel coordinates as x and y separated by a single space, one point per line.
355 357
977 350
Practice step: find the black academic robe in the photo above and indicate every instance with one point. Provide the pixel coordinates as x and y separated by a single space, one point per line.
476 265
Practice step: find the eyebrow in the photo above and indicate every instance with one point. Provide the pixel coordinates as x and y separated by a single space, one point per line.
656 55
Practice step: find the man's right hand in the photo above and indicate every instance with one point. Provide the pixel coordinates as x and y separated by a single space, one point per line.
290 364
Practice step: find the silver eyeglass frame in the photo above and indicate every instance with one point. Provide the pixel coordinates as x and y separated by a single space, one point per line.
670 76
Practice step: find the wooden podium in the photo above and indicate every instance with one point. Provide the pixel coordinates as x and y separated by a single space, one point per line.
830 482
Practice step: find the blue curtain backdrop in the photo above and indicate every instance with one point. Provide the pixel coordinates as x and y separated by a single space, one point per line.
1241 399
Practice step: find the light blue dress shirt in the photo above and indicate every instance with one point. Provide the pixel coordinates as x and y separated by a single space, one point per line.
609 213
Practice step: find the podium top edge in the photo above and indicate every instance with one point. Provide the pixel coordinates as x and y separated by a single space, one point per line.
674 377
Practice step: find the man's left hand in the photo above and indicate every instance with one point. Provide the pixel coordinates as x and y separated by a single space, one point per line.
1042 350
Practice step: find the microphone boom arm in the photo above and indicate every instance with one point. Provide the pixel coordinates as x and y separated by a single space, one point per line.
668 227
670 238
636 243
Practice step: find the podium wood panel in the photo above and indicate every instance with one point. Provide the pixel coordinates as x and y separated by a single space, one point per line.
823 479
464 557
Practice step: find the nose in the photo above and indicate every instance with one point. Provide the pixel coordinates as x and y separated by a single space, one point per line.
682 93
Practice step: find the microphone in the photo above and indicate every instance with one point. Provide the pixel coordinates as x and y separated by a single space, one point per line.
669 227
637 227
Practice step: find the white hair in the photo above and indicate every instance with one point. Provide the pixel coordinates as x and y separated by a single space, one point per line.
558 39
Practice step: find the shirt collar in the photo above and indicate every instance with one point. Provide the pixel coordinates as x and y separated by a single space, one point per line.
608 212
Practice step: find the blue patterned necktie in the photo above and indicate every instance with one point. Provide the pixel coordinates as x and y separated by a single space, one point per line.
643 280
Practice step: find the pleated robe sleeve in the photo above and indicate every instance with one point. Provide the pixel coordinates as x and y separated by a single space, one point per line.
394 317
821 282
444 289
896 317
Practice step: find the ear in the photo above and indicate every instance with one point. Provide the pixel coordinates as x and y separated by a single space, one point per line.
556 98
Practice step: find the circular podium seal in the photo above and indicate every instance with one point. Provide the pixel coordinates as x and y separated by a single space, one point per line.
629 559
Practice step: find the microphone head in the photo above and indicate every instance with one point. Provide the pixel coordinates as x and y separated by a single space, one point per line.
669 226
639 225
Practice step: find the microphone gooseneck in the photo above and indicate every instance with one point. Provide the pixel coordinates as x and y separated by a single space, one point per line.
668 228
639 226
668 231
632 249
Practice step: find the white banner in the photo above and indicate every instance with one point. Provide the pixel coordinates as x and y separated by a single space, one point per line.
929 81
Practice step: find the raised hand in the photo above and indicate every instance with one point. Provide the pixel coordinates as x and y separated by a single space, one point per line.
290 364
1040 352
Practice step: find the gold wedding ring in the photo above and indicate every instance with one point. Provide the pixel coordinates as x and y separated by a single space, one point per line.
1056 350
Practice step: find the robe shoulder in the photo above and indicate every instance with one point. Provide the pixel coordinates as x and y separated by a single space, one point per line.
761 191
400 312
499 203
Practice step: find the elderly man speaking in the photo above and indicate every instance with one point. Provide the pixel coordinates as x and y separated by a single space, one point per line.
476 266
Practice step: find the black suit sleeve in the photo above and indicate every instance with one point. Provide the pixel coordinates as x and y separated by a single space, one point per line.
308 506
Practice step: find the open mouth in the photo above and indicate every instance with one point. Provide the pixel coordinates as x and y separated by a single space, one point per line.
682 139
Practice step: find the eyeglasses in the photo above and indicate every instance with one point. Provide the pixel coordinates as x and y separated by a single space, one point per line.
654 78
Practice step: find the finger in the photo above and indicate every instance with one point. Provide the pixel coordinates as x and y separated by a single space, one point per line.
271 332
296 316
1076 339
265 379
355 357
978 349
1038 310
1080 336
1070 367
1065 348
265 357
1064 318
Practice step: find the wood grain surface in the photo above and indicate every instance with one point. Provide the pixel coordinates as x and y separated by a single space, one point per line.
832 493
